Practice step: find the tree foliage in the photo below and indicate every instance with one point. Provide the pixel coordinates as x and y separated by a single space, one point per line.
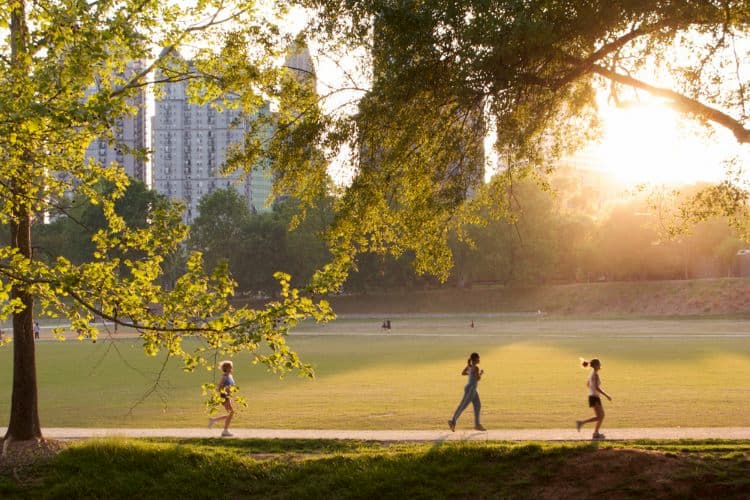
69 235
255 246
571 237
218 229
65 79
442 73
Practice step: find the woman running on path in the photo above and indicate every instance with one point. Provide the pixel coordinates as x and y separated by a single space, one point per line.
470 393
225 392
595 388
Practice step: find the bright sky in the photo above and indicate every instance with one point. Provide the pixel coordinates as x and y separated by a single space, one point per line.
647 142
650 143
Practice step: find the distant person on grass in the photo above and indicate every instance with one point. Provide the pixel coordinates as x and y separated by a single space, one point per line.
595 388
470 393
225 392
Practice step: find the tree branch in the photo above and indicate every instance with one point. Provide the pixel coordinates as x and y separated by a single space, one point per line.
154 387
136 80
586 65
680 102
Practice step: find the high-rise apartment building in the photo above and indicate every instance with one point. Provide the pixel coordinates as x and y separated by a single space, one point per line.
128 135
301 63
190 143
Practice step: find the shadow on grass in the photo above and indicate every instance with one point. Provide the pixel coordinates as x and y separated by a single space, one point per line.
317 446
351 469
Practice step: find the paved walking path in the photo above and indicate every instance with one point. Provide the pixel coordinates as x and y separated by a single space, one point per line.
409 435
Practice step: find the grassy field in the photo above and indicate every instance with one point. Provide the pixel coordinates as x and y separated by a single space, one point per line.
325 469
660 373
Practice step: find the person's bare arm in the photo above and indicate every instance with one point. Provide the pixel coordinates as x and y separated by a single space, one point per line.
600 390
477 372
466 370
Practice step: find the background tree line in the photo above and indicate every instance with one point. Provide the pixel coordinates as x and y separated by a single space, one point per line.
563 237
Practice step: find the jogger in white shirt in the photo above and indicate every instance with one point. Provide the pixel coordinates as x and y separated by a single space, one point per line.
595 388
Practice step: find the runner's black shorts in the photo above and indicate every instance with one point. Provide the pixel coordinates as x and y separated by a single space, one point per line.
594 400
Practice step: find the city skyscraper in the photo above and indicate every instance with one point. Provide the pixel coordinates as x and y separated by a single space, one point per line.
128 134
190 143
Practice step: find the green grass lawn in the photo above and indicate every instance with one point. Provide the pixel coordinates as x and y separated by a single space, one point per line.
349 469
660 373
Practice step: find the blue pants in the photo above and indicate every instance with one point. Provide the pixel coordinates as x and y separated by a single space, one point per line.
470 396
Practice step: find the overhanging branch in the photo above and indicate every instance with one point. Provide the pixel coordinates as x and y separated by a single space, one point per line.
586 65
680 102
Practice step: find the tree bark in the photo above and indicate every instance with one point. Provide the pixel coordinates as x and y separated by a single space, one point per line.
24 411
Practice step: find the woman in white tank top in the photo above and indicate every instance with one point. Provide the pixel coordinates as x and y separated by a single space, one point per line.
595 388
226 388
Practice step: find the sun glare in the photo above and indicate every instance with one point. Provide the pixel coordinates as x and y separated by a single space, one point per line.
649 143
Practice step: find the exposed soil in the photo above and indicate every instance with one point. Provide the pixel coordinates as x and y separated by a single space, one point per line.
626 473
21 454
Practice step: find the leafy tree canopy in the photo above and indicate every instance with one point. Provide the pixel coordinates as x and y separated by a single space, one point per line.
445 72
255 246
69 235
66 76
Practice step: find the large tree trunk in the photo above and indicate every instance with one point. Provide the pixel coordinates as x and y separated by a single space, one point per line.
24 412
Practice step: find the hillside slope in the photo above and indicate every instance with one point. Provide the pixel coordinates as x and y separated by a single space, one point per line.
726 296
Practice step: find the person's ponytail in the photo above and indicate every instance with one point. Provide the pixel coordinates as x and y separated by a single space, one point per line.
593 363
